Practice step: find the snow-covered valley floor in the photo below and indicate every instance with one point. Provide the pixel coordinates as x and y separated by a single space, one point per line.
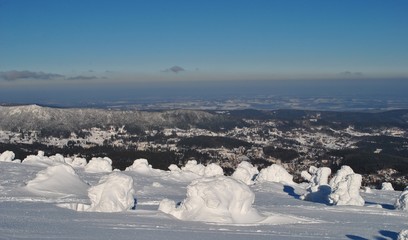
29 214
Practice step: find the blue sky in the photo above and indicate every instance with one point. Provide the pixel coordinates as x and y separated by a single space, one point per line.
84 41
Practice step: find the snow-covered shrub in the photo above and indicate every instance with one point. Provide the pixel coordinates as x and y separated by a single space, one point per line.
114 193
346 190
403 235
58 180
318 189
98 164
402 201
218 199
79 162
41 160
387 186
7 156
245 172
275 173
212 170
340 175
142 166
194 167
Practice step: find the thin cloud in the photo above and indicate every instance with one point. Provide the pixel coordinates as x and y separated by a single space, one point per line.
175 69
351 74
20 75
82 78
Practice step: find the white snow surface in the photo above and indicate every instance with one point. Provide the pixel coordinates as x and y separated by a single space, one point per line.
25 214
275 173
402 201
245 172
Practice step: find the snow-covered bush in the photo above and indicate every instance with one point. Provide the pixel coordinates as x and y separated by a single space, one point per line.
78 162
218 199
275 173
98 164
387 186
346 191
194 167
58 180
402 201
142 166
403 235
340 175
114 193
245 172
318 189
41 160
212 170
7 156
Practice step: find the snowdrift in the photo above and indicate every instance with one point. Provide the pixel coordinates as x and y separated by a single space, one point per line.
219 199
275 173
60 180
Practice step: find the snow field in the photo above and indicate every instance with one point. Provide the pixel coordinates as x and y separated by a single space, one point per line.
210 207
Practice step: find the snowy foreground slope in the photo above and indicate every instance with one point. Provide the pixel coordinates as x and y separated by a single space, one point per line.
29 211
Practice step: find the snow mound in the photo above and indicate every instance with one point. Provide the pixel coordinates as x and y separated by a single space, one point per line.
245 172
346 191
78 162
7 156
275 173
142 166
403 235
41 160
59 180
212 170
220 199
318 189
114 193
194 167
98 164
402 201
387 186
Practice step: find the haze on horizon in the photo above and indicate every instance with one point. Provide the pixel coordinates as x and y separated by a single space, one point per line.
60 46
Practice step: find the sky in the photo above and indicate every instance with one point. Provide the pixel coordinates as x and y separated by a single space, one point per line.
46 43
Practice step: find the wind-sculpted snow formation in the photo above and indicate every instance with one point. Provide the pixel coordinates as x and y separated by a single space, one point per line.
245 172
275 173
59 180
346 188
220 199
318 189
402 201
